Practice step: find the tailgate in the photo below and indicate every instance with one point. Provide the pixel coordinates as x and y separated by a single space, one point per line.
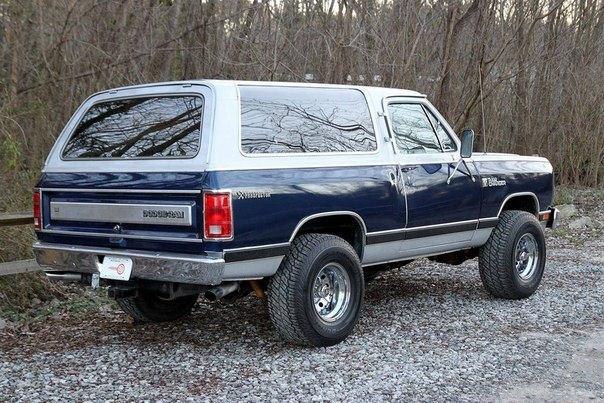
123 218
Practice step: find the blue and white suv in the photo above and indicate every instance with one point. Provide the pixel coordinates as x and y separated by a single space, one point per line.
297 192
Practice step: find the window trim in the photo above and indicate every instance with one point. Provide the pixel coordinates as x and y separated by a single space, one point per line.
428 111
292 154
448 155
145 95
440 149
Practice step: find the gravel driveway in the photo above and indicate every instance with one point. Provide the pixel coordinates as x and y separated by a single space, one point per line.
429 332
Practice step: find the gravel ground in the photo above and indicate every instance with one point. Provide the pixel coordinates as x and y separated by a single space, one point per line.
428 332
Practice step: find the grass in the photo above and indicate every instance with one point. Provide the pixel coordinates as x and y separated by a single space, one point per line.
77 306
588 202
563 195
33 298
19 291
568 236
15 242
30 298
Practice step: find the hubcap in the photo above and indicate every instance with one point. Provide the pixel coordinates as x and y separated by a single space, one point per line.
331 292
527 256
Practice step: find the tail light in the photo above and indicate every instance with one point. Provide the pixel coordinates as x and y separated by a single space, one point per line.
217 216
37 210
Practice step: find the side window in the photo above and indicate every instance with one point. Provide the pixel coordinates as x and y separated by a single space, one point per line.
304 120
413 132
445 140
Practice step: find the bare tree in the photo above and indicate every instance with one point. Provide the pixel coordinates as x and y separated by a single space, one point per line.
540 62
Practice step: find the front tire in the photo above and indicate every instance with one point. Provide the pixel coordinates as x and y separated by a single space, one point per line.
316 296
147 306
513 259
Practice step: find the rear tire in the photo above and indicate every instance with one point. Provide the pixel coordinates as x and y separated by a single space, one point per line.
512 261
148 307
316 296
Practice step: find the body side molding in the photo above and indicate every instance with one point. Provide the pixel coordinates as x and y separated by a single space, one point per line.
421 231
256 252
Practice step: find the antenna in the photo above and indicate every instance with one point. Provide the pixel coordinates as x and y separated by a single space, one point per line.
484 127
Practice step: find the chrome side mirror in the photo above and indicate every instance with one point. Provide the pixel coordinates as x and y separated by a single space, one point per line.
467 143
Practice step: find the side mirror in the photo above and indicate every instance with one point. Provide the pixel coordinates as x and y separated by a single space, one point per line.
467 143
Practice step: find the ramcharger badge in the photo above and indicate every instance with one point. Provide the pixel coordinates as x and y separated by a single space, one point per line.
163 214
489 182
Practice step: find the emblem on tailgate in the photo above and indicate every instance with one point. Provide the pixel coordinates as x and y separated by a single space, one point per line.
167 214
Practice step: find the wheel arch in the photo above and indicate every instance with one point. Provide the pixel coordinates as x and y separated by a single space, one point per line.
346 224
525 201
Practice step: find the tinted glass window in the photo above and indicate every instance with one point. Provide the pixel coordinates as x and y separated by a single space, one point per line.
304 120
167 126
413 132
445 140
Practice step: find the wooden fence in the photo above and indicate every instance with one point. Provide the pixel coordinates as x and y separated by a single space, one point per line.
9 220
20 266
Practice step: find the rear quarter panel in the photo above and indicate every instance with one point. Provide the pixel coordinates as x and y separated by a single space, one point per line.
294 194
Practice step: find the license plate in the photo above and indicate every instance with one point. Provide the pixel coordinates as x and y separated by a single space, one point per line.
116 268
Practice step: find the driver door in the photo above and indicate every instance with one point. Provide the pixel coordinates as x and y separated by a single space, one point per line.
442 206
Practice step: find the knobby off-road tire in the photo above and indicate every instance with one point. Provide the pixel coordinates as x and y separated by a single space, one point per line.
299 300
148 307
505 271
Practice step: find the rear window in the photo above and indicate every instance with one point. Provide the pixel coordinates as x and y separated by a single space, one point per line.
304 120
146 127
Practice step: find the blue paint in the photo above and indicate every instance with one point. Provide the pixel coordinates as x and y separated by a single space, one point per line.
152 180
432 201
520 176
373 192
298 193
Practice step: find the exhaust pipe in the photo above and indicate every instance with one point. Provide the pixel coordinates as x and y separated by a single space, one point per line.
220 291
64 277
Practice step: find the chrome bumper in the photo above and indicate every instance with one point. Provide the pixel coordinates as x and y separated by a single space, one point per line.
555 219
173 267
550 217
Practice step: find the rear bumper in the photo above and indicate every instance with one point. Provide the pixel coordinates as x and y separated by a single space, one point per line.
172 267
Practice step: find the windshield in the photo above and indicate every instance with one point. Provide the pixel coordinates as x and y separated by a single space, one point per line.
146 127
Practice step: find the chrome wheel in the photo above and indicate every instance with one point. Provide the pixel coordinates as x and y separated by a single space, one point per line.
331 292
527 256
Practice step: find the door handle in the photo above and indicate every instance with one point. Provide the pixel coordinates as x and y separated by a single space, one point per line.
392 179
408 168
